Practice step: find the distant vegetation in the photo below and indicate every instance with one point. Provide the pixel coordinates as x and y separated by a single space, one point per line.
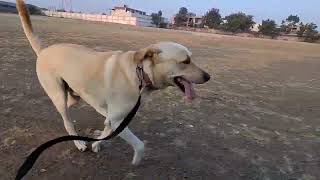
308 32
234 23
158 20
212 18
238 22
9 7
269 28
241 22
182 17
34 10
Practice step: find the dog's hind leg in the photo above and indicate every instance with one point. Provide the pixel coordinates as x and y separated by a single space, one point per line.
96 146
56 90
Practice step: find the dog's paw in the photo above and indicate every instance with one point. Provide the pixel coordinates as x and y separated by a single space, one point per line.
96 147
138 155
136 160
81 145
97 133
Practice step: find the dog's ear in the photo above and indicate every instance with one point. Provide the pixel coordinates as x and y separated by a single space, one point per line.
146 53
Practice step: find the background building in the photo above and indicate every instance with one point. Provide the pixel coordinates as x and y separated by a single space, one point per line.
195 21
121 15
192 21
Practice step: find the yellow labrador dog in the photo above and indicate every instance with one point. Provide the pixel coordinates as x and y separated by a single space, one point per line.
108 81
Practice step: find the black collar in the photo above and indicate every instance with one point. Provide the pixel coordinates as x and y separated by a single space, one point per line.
144 80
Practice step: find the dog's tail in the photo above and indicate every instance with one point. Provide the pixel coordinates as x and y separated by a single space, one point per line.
27 26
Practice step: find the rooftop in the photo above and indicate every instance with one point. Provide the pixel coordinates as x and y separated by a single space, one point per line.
126 8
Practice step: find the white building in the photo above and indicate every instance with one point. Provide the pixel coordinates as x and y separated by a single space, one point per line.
121 15
255 27
192 21
126 15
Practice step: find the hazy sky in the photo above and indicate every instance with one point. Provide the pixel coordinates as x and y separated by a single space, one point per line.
308 10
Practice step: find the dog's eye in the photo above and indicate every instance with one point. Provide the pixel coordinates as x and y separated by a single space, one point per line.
187 61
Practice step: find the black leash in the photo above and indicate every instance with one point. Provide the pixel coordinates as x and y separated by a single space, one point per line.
31 159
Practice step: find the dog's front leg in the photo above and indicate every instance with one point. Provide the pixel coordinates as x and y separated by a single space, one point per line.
115 117
134 141
128 136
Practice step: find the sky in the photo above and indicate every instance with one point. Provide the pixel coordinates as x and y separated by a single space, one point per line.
308 10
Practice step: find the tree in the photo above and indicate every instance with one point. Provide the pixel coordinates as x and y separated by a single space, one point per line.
212 19
301 31
160 18
238 22
191 14
182 17
293 19
269 28
289 24
284 27
308 32
34 10
157 18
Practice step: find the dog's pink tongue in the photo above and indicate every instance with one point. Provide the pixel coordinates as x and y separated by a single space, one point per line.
189 91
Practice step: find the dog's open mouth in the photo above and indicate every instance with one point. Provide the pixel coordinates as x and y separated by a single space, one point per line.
185 86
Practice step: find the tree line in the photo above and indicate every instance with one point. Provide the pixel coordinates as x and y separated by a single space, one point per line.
241 22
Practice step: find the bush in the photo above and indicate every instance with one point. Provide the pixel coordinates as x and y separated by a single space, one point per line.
212 19
269 28
157 18
34 10
163 25
238 22
289 24
182 17
308 32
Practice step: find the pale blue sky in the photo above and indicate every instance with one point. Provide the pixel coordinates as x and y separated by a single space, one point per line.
308 10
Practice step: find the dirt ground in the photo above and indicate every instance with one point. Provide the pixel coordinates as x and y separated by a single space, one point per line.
258 119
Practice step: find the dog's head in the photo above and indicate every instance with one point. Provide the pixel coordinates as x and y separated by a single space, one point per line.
170 64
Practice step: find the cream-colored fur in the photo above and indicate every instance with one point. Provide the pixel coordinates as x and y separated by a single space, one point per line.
106 80
27 26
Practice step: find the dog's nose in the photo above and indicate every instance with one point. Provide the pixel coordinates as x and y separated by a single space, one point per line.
206 77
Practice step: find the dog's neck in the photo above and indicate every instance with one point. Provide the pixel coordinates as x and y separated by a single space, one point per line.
144 79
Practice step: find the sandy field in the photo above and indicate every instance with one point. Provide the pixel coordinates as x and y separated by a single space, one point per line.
257 119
